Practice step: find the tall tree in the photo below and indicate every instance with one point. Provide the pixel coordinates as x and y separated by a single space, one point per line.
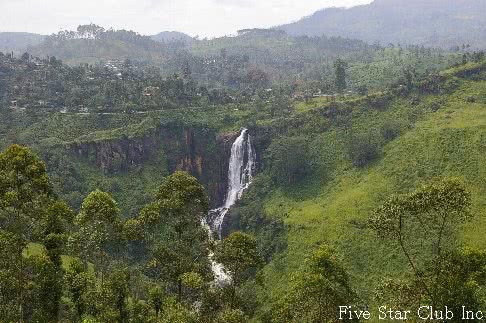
340 75
24 194
12 283
179 243
316 292
156 298
423 225
79 284
119 290
99 226
49 266
98 238
238 253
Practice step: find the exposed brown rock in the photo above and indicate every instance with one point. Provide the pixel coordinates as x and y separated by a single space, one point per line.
199 151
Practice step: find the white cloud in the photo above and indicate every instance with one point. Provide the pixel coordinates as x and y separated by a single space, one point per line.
196 17
238 3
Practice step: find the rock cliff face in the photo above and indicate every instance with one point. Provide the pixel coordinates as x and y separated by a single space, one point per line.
199 151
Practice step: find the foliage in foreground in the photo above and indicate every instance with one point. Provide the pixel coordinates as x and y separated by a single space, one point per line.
95 267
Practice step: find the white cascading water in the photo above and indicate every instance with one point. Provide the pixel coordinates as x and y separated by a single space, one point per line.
240 173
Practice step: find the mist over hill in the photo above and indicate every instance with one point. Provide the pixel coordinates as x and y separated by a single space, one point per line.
444 23
92 43
172 36
16 41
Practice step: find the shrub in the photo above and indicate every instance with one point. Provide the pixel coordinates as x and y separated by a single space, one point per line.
390 130
363 150
289 160
414 100
435 106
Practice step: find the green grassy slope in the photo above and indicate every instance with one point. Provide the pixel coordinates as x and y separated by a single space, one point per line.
441 136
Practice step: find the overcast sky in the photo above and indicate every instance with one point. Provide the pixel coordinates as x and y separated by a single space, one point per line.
206 18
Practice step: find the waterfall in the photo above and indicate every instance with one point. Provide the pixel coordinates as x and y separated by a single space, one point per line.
240 173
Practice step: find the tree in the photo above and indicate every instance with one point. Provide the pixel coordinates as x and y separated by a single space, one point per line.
390 130
279 103
179 243
54 226
79 283
256 78
99 225
98 237
231 316
289 160
340 75
409 76
24 194
175 312
363 150
238 254
183 202
25 57
462 280
118 291
48 289
90 31
186 70
49 267
362 90
24 190
140 313
423 225
156 297
12 284
193 283
316 292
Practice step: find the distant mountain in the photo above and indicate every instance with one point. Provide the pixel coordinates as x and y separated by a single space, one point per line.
172 36
444 23
92 43
11 41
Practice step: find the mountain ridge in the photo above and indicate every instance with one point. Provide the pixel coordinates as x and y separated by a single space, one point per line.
17 41
172 36
437 23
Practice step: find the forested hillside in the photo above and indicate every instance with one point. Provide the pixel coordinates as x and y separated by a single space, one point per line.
255 60
92 43
328 169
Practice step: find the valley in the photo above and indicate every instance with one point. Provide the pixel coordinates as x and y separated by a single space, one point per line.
273 176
